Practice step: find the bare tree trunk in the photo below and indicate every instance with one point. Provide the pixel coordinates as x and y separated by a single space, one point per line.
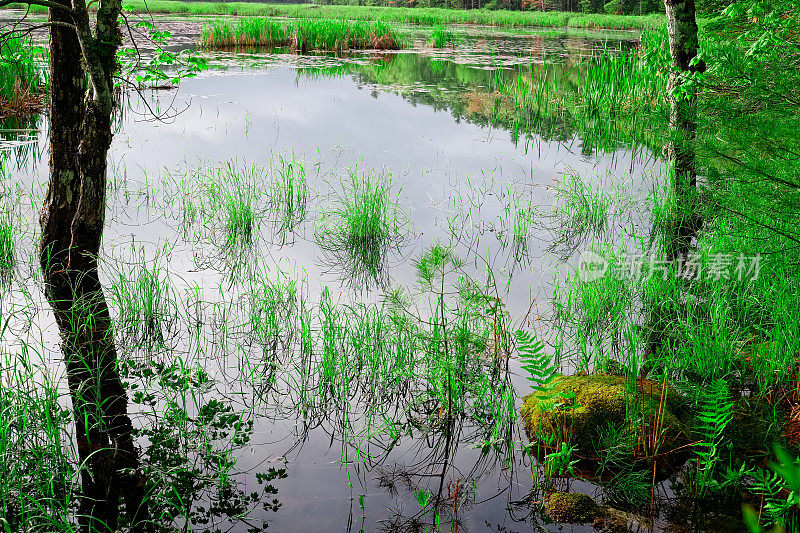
72 220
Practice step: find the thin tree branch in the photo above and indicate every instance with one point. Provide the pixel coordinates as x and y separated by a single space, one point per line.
43 3
765 226
15 33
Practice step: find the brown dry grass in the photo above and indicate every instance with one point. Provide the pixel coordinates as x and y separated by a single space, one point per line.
23 102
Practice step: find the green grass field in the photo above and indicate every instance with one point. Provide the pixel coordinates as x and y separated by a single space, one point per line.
422 16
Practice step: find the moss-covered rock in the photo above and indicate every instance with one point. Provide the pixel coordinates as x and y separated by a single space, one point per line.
572 507
590 403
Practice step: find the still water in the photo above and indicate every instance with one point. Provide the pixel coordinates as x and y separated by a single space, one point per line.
422 122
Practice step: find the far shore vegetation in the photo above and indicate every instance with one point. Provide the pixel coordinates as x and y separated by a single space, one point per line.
427 16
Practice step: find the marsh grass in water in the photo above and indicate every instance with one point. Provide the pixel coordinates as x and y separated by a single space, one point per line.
233 190
21 82
517 224
145 305
582 210
442 36
8 245
35 426
288 194
360 228
273 311
301 35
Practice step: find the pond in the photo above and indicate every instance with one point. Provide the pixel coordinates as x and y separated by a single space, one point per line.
294 244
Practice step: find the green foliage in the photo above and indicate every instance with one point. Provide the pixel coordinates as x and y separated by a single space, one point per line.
629 487
437 261
422 497
161 66
534 360
614 447
560 462
780 488
20 77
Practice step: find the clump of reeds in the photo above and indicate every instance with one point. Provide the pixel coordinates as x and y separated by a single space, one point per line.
8 247
288 194
300 35
361 228
441 37
20 80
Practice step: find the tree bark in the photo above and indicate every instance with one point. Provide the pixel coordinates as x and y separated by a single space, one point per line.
72 220
680 153
683 47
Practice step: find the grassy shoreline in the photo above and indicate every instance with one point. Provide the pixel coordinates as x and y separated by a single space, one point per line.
422 16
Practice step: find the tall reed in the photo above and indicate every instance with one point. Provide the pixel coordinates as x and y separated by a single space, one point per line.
20 79
302 35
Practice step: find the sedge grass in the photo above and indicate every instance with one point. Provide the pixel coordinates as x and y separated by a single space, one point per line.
8 246
361 228
288 194
315 34
145 305
441 37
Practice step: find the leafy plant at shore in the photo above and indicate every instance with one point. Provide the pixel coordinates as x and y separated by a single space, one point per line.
780 488
714 415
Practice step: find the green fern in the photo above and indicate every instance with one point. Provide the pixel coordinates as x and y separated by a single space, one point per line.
542 373
716 412
784 478
536 362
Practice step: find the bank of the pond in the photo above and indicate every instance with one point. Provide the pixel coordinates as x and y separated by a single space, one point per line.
423 16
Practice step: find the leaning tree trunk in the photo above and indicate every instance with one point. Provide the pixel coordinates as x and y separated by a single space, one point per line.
72 221
680 152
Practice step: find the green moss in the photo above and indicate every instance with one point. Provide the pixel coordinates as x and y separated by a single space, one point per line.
600 400
572 507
